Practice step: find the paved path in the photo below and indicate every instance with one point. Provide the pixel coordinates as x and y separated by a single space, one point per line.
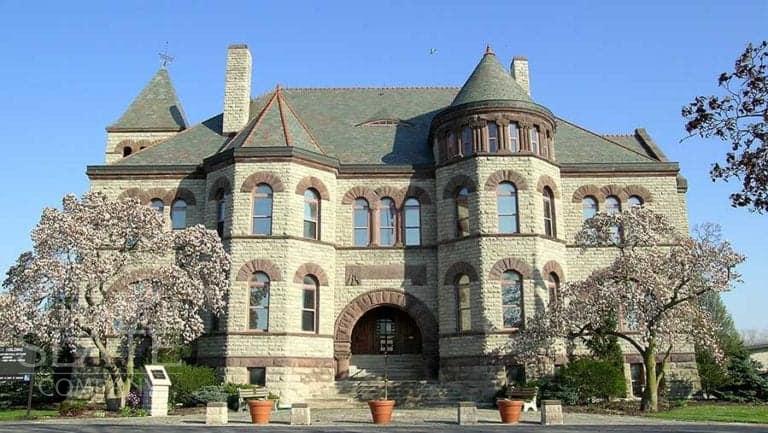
358 420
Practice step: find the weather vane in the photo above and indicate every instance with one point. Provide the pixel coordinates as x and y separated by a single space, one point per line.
165 58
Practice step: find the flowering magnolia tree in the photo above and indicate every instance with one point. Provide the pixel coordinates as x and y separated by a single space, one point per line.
653 287
107 271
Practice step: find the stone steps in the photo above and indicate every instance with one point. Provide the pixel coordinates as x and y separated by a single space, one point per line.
399 367
407 393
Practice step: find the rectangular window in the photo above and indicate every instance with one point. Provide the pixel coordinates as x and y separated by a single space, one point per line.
259 309
514 138
412 222
548 226
535 140
308 310
257 376
462 220
637 373
466 141
465 310
493 137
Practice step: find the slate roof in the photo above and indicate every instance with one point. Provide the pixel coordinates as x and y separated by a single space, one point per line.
156 108
490 81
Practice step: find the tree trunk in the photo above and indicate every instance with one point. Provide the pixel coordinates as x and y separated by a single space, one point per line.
650 402
129 370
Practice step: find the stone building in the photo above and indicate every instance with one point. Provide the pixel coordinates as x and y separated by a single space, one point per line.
425 221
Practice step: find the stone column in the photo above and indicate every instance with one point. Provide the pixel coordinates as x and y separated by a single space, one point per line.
551 412
504 146
300 414
467 413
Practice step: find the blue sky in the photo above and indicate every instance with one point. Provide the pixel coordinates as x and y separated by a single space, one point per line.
70 68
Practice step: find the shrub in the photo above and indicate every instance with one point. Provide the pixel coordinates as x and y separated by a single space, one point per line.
593 379
553 388
212 393
72 407
186 379
232 395
744 382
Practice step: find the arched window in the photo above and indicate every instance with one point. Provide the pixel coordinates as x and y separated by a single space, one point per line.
635 201
412 220
466 141
588 207
387 214
550 228
512 299
506 202
262 210
179 214
311 214
221 211
462 212
127 151
362 223
493 137
534 134
613 207
553 286
309 304
157 205
514 137
258 303
453 149
463 304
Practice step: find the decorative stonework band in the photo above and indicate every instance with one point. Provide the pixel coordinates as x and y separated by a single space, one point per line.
220 187
505 176
456 182
168 196
372 197
553 267
310 269
355 274
510 264
547 181
314 183
259 265
266 177
622 192
459 268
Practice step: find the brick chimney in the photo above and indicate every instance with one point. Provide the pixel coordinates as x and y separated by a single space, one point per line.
520 73
237 90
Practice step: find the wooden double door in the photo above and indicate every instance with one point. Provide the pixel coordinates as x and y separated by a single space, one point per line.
386 329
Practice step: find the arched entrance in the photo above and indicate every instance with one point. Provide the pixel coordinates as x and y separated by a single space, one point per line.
391 318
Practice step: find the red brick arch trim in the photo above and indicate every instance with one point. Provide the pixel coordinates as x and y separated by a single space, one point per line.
547 181
184 194
510 264
418 193
639 191
220 185
410 304
252 181
615 190
160 193
259 265
316 184
391 192
505 176
136 193
359 192
310 269
134 145
457 182
553 267
587 190
459 268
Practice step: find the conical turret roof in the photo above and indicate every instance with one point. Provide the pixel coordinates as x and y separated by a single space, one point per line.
156 108
490 81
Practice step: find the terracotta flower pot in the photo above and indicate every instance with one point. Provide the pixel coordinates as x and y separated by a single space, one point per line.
381 411
260 410
510 410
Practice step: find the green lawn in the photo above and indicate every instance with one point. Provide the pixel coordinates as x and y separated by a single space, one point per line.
19 414
718 412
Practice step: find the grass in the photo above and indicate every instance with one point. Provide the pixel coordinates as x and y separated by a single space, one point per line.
21 414
718 412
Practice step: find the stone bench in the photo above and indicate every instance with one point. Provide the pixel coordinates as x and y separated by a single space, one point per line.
300 414
527 395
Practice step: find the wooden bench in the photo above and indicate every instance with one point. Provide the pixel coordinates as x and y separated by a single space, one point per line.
527 395
244 394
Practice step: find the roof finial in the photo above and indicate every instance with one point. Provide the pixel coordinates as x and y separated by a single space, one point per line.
165 59
489 50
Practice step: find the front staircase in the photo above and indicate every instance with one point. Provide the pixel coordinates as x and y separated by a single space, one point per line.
399 367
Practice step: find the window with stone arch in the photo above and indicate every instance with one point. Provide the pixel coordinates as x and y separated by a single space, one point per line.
467 144
179 214
462 212
512 299
222 196
258 302
589 207
506 203
157 205
412 222
553 287
262 210
362 223
387 222
309 300
463 303
635 201
493 137
613 207
311 214
550 226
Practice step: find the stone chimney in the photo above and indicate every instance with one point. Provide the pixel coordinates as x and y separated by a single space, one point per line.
520 73
237 90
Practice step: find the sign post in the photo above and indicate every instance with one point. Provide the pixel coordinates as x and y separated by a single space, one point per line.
156 389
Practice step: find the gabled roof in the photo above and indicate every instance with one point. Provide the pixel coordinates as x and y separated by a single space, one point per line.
276 125
490 81
156 108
